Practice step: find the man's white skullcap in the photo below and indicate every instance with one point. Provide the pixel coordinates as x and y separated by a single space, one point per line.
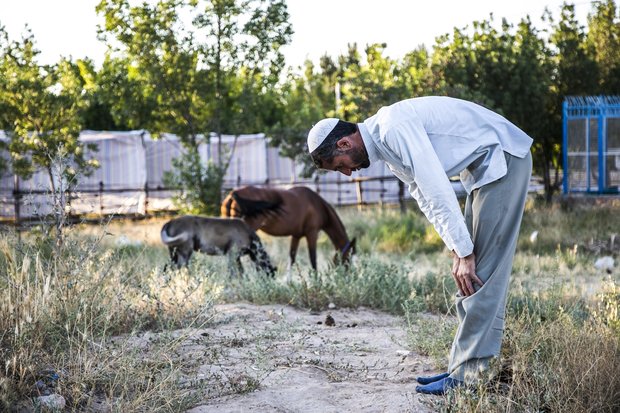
319 132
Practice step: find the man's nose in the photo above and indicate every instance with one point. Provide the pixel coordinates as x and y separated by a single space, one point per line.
346 171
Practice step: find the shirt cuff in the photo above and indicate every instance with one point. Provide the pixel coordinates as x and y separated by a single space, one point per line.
463 247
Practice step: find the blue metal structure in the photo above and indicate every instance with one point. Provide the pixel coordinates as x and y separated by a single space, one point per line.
591 137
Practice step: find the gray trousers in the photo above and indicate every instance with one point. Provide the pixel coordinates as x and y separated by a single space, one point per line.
493 215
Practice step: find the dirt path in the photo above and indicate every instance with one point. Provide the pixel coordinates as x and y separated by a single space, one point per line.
281 359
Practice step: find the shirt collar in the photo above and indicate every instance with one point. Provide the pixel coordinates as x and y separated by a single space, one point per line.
369 143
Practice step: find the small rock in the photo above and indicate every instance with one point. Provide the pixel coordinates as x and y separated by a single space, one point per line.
331 306
329 321
53 401
42 389
123 241
403 353
604 263
533 237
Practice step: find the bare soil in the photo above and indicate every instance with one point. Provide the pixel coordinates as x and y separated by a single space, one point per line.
275 358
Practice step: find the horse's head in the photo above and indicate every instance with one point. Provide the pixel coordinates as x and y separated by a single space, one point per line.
344 255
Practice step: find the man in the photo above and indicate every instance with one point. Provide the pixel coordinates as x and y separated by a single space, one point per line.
424 141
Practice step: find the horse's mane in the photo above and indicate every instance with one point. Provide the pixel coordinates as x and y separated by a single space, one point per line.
333 217
250 208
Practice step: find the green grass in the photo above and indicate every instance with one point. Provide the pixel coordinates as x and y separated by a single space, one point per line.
79 309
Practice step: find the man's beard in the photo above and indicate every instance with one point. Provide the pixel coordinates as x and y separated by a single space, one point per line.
359 156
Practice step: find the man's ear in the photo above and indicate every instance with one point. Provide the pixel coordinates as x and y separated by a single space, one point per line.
344 143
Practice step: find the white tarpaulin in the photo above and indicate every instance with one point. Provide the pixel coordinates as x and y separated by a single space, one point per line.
130 179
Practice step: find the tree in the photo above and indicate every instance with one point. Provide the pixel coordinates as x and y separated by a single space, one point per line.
45 104
416 75
367 87
575 70
510 72
531 104
191 87
99 99
305 98
603 41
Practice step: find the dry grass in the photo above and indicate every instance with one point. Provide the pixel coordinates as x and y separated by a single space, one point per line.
60 308
85 311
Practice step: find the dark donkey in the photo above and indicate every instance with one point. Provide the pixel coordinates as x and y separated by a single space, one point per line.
214 236
298 212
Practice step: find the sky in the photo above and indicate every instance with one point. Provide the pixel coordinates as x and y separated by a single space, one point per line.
69 27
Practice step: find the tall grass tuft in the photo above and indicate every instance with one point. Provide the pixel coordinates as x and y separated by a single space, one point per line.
555 358
58 313
369 283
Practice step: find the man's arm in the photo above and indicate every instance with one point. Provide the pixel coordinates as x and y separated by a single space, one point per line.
429 185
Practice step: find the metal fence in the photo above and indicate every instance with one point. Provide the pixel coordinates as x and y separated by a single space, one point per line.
591 136
91 204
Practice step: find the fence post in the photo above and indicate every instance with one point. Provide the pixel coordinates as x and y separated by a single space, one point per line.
358 190
101 198
338 184
381 193
316 183
146 198
17 200
401 196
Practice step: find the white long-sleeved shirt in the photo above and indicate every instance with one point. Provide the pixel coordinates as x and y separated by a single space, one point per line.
426 140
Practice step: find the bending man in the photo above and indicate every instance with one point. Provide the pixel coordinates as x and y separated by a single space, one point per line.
424 141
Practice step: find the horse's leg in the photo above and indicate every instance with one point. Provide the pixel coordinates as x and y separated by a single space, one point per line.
311 238
292 254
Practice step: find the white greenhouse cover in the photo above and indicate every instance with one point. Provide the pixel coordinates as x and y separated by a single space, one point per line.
133 163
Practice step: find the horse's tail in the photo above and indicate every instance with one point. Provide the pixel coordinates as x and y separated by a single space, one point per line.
227 203
259 256
249 208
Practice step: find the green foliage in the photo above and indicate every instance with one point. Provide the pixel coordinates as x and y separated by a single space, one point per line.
369 283
395 232
603 44
201 184
570 228
44 105
430 335
214 74
433 293
608 311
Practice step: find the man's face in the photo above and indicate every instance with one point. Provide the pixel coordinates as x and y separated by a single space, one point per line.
349 161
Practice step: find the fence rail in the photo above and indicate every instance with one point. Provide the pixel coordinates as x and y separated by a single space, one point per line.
86 205
95 204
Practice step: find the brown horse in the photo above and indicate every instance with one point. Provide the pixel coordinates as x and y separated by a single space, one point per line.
298 212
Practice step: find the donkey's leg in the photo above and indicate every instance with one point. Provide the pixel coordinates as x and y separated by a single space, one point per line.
311 238
180 255
292 254
259 256
239 264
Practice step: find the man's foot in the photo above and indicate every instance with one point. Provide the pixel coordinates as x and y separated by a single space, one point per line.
439 387
432 379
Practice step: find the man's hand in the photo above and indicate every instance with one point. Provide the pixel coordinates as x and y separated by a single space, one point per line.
464 273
